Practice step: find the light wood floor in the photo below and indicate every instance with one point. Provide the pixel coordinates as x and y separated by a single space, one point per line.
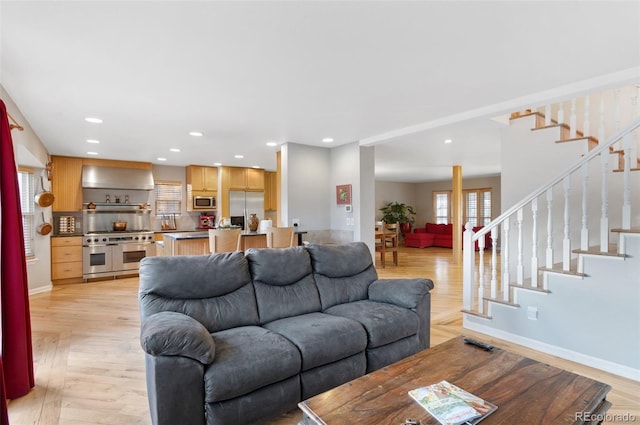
90 368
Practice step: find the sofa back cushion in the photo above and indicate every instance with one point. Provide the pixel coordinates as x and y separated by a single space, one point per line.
283 282
440 229
215 290
343 273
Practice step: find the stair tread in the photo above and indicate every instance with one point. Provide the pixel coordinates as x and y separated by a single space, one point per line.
566 126
475 313
574 139
595 250
631 230
529 287
501 301
559 270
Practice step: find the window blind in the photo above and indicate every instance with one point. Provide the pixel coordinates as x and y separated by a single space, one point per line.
168 197
27 194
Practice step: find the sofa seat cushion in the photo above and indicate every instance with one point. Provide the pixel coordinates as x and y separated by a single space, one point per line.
384 323
321 338
248 358
419 239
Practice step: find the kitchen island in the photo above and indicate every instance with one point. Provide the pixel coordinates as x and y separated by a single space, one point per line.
197 243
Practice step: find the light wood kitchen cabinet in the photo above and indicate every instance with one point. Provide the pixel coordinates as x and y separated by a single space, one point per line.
66 183
270 191
202 179
66 259
246 178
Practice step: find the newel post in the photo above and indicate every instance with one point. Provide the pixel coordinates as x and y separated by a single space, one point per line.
468 268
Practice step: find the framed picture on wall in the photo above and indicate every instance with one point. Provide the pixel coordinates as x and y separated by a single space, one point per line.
343 194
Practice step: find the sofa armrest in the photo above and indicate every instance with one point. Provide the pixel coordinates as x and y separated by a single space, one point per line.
405 293
175 334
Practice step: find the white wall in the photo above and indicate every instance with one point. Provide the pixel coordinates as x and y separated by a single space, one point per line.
30 152
305 186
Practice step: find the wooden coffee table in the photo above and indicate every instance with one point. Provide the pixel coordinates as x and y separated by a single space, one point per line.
525 390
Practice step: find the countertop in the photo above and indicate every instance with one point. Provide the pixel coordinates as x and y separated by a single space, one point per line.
205 234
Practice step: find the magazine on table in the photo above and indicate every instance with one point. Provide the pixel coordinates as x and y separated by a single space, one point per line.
451 405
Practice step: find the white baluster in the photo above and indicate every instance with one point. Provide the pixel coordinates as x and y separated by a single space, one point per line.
494 262
547 115
584 233
549 256
506 280
566 241
572 120
604 212
601 131
534 243
586 126
634 112
617 113
520 267
481 271
626 193
468 272
560 113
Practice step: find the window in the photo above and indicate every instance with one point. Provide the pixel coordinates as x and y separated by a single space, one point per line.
441 205
476 209
27 204
168 197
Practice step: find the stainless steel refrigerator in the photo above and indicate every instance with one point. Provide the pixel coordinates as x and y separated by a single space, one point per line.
241 204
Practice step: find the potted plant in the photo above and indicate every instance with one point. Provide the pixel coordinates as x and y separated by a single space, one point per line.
396 212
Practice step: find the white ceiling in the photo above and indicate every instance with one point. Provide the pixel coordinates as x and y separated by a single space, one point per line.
246 73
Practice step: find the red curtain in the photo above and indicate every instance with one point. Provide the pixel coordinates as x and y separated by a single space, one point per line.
17 354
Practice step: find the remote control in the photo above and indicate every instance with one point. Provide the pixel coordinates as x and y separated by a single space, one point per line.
478 344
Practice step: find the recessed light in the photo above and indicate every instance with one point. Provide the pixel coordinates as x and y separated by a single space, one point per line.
272 144
238 156
196 134
448 141
162 159
92 153
217 164
93 120
255 166
93 141
174 150
327 140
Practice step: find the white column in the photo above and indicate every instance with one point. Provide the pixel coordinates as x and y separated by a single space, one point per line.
494 262
468 271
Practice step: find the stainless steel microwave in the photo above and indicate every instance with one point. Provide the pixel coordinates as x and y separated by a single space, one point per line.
207 203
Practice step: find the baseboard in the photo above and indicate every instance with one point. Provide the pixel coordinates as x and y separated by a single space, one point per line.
605 365
41 289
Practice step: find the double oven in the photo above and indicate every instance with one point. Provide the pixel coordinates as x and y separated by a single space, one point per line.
107 252
117 253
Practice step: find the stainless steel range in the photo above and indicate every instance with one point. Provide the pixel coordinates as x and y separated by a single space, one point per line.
115 253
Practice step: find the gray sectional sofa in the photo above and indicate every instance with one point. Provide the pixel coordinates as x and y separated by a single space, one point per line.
235 338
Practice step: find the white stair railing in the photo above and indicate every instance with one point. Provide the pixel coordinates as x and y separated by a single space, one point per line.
472 284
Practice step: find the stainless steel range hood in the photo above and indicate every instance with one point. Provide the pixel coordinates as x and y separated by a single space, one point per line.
95 177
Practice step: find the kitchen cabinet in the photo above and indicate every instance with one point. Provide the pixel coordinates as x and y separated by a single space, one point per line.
270 191
66 183
66 259
202 179
246 179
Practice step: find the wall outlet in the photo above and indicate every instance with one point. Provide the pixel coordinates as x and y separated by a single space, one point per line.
295 222
532 313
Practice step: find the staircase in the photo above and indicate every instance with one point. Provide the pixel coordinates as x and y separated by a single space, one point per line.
568 270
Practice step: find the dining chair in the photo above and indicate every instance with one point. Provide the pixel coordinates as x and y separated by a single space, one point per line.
391 239
280 237
379 241
224 240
